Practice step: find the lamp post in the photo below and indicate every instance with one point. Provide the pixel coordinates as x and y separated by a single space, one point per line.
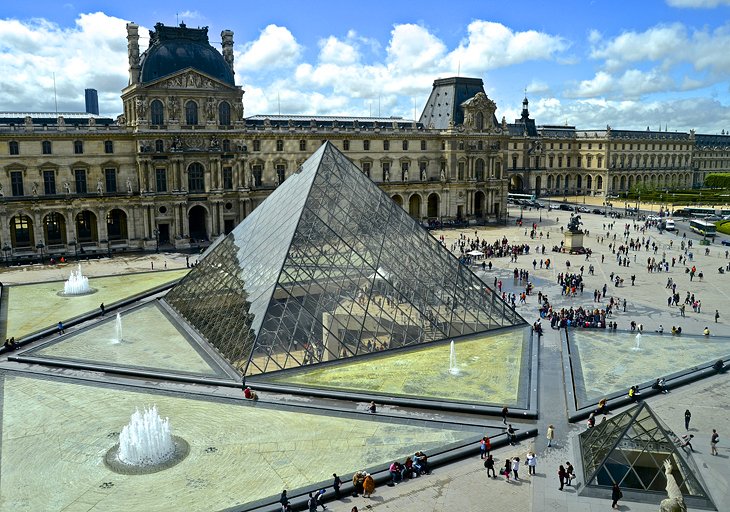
157 240
6 250
40 245
76 248
109 248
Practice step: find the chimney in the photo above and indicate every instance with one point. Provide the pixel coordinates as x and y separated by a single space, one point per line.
133 52
227 43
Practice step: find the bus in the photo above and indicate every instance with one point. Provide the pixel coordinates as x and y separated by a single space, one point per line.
702 227
520 198
694 212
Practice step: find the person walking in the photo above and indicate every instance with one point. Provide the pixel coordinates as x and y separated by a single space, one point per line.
483 447
561 476
312 503
507 469
687 417
61 329
336 485
489 464
714 439
102 308
717 315
550 435
516 467
616 495
504 414
569 473
284 501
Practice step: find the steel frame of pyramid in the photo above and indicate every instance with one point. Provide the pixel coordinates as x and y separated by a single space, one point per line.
328 267
630 449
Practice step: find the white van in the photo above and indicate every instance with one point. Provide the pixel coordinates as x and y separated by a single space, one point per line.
670 225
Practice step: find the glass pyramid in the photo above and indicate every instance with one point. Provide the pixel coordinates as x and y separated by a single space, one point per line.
329 267
630 449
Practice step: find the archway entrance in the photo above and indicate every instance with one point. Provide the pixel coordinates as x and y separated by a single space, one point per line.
398 200
196 223
116 224
54 227
86 230
21 231
479 201
515 183
433 206
414 206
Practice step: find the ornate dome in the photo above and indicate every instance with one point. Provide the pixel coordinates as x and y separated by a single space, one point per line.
175 48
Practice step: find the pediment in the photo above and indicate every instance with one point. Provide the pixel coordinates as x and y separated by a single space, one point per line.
187 79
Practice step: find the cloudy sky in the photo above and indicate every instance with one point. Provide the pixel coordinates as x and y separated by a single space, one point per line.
628 64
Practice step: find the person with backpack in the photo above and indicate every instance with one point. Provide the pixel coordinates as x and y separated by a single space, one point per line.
489 464
616 495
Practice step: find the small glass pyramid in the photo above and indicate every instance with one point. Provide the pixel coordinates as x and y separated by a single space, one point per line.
329 267
630 449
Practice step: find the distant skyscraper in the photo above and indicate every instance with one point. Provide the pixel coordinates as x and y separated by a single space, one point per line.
92 101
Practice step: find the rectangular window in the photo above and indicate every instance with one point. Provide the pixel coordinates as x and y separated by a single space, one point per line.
16 183
78 147
560 161
257 145
80 177
423 145
366 168
49 183
567 161
280 173
110 180
514 162
405 145
386 145
279 145
460 175
46 147
346 145
161 179
13 147
228 178
108 146
257 171
302 145
366 145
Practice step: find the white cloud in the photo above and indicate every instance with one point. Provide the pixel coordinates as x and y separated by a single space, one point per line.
697 4
413 48
491 45
334 51
274 48
657 43
91 54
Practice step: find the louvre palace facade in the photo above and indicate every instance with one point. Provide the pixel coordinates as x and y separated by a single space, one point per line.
182 164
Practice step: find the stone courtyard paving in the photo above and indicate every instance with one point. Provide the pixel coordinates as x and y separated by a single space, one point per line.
59 433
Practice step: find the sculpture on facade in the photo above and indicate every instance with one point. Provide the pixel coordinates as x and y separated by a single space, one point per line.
129 186
34 189
675 501
210 109
423 174
172 106
574 224
405 175
387 175
443 175
99 188
66 187
141 108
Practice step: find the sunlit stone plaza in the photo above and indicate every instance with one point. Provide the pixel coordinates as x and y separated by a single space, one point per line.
325 314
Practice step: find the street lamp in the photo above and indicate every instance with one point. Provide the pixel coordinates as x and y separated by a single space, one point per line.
40 245
6 250
76 248
157 240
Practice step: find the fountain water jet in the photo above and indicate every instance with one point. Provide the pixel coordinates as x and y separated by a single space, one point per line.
77 283
146 445
118 329
453 368
637 348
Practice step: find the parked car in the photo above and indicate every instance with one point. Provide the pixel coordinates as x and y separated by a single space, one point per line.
612 196
597 211
566 207
584 209
725 242
669 225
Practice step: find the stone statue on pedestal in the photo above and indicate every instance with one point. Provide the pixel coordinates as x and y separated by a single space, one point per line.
675 500
574 224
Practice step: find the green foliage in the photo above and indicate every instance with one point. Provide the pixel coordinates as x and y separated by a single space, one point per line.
718 180
724 227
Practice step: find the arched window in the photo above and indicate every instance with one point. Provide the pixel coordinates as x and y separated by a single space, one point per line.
224 114
480 121
157 112
191 113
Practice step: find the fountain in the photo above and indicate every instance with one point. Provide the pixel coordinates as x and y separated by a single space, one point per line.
118 329
637 348
146 445
77 284
453 369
